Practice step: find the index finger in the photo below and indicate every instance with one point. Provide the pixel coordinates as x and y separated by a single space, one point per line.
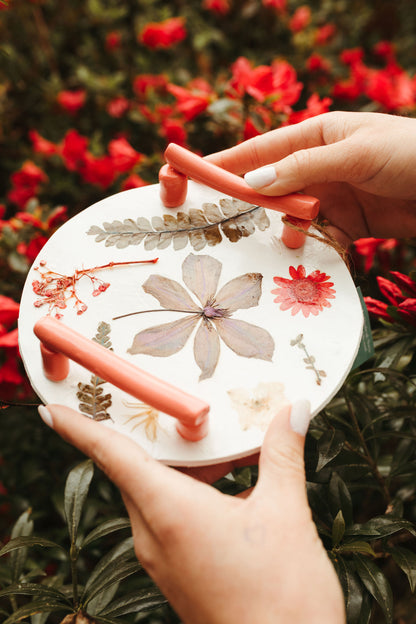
270 147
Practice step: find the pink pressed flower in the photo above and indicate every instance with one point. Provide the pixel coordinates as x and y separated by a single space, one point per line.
306 293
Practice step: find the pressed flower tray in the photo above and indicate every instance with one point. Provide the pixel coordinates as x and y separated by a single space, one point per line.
227 313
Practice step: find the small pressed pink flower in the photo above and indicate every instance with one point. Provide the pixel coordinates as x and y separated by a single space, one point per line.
306 293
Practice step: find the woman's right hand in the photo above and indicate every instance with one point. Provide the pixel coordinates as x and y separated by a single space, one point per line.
362 167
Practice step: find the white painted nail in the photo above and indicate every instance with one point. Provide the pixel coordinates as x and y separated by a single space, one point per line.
46 416
300 416
258 178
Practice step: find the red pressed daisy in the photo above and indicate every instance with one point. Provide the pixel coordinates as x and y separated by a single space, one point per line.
308 293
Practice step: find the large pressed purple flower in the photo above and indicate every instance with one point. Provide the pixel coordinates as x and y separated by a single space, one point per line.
213 314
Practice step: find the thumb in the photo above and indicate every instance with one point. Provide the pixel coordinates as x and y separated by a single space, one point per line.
281 460
316 165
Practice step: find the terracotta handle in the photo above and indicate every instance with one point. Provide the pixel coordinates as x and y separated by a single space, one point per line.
186 162
60 340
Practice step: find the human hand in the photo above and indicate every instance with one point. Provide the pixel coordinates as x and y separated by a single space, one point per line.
219 559
360 165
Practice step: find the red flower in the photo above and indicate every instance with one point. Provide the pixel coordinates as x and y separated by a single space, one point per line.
74 150
133 181
113 40
369 248
306 293
99 171
9 310
145 82
324 34
316 62
277 5
193 101
71 101
41 145
29 175
31 250
123 155
314 106
391 87
217 6
173 131
401 295
250 130
300 18
163 34
118 106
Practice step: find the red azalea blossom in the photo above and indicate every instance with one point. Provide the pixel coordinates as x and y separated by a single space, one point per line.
324 34
370 248
113 40
31 250
314 106
149 82
29 175
71 101
300 18
316 62
401 296
41 145
133 181
173 131
123 155
194 100
277 5
163 34
99 171
306 293
118 106
74 150
217 6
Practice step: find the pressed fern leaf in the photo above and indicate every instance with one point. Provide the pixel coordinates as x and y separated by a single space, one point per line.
200 227
93 401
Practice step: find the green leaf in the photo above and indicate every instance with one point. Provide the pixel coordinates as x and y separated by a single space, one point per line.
22 528
406 560
135 603
34 589
358 546
119 573
352 588
329 446
107 566
376 583
382 526
340 498
110 526
32 608
76 491
338 529
25 542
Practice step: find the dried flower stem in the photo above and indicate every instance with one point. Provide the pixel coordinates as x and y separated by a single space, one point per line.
55 289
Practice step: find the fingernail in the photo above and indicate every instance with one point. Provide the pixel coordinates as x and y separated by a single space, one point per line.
261 177
45 414
300 416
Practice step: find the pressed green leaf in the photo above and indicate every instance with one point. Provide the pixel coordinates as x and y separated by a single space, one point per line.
340 498
329 446
375 583
338 529
25 542
110 526
37 606
406 560
76 491
352 588
358 546
135 603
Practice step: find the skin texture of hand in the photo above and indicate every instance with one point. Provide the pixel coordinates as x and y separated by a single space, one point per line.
217 558
360 165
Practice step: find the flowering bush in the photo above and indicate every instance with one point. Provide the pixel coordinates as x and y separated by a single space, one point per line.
91 93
